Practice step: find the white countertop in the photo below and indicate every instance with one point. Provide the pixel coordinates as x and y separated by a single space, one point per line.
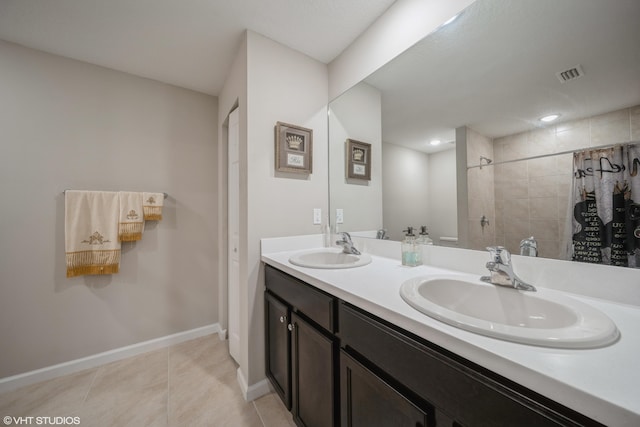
602 383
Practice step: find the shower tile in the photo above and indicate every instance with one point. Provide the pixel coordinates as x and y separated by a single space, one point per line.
515 147
543 186
542 141
514 170
611 127
517 209
475 208
481 237
498 151
545 229
542 167
635 123
573 135
544 208
512 242
516 189
517 227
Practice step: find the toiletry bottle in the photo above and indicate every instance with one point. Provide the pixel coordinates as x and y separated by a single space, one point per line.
423 237
411 251
326 233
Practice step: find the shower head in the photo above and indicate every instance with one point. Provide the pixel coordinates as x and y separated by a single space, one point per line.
486 159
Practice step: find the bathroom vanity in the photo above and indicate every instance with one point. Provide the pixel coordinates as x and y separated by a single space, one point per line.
342 348
335 364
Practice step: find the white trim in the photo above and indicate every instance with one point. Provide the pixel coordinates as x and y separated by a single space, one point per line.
31 377
254 391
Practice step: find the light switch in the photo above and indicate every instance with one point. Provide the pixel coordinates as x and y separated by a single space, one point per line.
339 216
317 216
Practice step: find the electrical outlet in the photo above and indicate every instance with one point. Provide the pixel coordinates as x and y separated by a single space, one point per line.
317 216
339 216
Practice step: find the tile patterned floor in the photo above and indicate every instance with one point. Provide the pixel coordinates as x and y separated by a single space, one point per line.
188 384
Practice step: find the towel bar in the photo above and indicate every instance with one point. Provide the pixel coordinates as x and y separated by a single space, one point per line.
165 194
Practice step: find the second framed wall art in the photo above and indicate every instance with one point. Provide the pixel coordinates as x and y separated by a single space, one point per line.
358 160
294 148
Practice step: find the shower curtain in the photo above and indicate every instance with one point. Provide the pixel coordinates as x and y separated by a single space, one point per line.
606 214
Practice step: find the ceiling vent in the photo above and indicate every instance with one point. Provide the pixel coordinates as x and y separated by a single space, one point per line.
570 74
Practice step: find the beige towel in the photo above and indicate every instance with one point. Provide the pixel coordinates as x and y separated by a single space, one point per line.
91 232
152 206
131 223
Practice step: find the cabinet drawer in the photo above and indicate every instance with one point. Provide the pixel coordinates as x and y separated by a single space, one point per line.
313 303
459 388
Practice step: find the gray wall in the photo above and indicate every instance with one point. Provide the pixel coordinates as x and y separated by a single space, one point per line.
68 124
405 189
356 114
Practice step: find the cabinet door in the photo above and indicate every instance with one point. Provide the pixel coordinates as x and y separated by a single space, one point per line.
313 375
368 401
278 346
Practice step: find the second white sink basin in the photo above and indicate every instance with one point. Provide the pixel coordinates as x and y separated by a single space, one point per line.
329 258
544 318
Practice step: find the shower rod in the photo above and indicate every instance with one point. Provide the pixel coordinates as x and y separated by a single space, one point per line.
597 147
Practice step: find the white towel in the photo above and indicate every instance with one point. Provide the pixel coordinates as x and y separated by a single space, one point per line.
131 223
91 232
152 206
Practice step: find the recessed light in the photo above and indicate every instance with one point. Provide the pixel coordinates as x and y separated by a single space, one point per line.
549 118
435 142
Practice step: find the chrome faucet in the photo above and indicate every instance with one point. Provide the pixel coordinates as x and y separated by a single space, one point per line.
502 273
347 244
529 247
382 234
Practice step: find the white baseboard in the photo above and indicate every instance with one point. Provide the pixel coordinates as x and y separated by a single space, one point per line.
253 391
20 380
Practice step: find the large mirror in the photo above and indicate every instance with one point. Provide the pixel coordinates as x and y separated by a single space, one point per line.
479 86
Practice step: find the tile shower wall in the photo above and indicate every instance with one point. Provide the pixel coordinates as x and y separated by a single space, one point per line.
480 184
532 196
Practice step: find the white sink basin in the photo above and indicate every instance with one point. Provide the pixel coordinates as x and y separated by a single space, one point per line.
544 318
329 258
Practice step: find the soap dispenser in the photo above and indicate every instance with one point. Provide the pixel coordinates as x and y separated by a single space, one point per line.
423 237
411 251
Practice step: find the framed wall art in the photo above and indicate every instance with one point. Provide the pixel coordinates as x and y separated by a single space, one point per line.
358 160
294 148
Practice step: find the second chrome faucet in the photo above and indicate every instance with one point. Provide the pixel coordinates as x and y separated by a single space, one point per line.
347 244
501 269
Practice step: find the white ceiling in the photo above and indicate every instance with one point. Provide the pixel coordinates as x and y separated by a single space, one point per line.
188 43
493 69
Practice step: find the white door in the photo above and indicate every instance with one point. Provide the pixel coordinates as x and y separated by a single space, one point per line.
233 250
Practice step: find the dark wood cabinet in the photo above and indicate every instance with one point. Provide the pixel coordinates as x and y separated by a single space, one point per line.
313 374
366 400
461 392
301 350
278 352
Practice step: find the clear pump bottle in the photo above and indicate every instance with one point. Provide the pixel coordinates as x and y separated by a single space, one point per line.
411 251
423 237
